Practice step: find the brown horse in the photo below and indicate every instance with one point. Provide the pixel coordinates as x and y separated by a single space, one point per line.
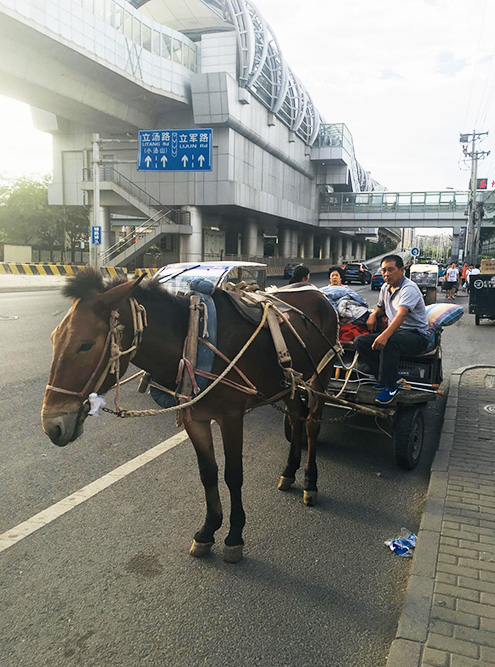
80 365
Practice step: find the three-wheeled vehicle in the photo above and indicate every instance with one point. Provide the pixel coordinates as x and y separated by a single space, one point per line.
482 296
351 398
426 278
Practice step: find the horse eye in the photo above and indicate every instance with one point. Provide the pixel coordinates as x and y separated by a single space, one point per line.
85 347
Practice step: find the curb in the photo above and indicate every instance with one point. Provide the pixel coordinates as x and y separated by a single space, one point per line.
407 648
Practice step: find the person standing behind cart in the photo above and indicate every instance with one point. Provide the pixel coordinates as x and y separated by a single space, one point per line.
451 277
407 332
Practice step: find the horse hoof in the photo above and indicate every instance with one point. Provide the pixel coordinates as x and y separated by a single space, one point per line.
285 483
199 549
309 497
232 554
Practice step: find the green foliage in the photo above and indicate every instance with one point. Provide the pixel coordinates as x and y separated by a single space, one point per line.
379 248
27 219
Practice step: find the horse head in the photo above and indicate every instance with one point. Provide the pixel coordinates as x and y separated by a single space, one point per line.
81 352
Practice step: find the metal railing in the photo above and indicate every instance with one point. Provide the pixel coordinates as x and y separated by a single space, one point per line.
134 236
393 202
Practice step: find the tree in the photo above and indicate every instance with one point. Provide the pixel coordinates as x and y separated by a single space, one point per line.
26 218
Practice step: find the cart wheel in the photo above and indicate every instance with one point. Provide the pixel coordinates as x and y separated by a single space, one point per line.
477 320
287 428
408 437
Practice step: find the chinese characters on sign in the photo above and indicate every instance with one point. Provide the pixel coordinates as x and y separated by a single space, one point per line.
96 235
174 150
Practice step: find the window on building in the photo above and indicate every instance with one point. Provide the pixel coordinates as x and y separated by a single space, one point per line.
100 9
156 37
119 18
146 36
137 31
128 25
166 46
177 51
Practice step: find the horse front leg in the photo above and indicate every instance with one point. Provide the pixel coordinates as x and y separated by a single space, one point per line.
296 413
232 435
311 471
202 439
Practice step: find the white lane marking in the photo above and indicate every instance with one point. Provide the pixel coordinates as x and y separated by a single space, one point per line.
19 532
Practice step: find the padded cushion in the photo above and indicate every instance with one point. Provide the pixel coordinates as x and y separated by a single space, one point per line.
442 315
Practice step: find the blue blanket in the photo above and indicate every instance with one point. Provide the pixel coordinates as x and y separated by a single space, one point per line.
206 357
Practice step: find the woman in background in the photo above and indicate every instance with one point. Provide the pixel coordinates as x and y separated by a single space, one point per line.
301 275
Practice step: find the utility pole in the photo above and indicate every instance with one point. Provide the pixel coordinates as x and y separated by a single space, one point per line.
96 227
472 240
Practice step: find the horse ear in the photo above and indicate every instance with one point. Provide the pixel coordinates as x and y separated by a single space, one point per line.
115 296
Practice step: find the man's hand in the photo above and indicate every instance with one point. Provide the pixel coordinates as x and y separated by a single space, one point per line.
380 342
371 322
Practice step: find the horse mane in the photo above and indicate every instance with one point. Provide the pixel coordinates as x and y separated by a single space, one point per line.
90 280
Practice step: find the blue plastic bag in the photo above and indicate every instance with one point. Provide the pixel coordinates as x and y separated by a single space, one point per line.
403 545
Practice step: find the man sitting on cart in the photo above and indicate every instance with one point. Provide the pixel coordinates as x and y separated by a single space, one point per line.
407 331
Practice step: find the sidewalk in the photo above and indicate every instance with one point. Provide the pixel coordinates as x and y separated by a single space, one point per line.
23 283
448 617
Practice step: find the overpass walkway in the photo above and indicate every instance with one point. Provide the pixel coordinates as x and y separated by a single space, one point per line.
394 209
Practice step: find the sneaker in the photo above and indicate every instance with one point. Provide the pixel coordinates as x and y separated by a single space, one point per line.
387 395
382 385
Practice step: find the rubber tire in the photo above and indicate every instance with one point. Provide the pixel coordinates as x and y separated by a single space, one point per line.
409 437
477 320
430 296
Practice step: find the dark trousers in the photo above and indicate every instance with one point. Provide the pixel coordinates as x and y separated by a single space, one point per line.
384 364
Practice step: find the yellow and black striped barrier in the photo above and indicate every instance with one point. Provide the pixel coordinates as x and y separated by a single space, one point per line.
46 269
147 272
113 271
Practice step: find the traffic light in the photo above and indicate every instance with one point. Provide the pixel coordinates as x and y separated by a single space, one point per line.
482 184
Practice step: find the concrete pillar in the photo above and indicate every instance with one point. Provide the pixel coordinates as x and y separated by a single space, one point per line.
295 242
455 244
309 246
250 238
286 242
339 249
191 245
326 247
106 228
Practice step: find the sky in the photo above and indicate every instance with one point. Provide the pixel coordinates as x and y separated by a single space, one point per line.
405 76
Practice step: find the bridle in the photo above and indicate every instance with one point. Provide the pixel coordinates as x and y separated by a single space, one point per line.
114 350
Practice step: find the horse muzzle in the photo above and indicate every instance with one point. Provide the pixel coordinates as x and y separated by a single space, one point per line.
66 427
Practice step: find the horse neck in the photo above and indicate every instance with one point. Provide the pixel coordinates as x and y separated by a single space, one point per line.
162 343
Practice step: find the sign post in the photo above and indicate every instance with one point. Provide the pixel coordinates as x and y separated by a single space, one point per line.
415 253
175 150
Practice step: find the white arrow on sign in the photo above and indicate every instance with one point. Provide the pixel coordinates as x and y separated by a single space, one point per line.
201 159
164 159
147 159
185 160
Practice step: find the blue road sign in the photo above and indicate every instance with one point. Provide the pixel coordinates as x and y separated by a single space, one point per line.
96 235
175 150
415 252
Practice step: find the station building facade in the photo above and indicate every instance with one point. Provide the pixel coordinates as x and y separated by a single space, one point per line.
108 68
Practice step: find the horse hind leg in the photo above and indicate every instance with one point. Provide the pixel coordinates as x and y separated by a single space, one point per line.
310 471
296 413
232 436
202 439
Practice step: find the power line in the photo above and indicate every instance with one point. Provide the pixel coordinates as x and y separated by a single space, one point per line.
476 63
